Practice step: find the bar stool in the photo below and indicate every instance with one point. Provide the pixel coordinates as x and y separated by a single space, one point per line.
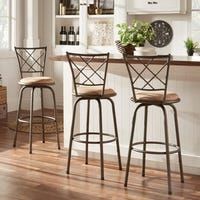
32 62
89 77
149 86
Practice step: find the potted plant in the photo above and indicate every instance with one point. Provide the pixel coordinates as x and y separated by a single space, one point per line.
125 43
190 46
135 34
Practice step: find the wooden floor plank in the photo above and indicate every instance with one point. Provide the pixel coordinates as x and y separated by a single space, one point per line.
42 175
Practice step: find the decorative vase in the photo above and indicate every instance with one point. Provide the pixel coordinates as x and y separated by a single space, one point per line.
125 49
190 52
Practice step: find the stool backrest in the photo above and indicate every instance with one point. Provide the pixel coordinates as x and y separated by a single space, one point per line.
88 70
148 73
31 60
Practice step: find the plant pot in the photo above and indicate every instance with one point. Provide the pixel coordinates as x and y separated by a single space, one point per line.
125 49
190 52
144 51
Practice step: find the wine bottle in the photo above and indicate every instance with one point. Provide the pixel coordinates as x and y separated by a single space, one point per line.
71 36
60 7
77 36
63 35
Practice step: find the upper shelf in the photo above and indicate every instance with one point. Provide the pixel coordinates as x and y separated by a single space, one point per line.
103 16
67 16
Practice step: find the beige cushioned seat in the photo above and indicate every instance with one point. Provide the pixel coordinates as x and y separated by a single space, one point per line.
94 91
37 81
156 97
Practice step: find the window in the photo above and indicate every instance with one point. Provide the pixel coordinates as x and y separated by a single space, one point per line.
7 24
195 22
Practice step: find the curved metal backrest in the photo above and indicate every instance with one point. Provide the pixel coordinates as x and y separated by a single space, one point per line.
88 70
148 73
31 60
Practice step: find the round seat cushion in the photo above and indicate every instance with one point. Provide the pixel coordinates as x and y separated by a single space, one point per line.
94 91
37 81
154 97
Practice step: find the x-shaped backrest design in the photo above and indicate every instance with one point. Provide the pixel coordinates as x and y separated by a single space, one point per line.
31 60
148 72
88 69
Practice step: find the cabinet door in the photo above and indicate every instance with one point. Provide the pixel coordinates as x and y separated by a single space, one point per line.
155 6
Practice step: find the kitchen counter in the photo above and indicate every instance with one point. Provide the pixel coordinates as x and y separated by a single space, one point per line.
175 60
184 79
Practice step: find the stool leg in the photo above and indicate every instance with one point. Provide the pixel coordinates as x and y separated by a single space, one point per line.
18 114
116 133
178 143
101 138
31 120
55 116
145 139
71 136
130 144
87 131
42 110
167 150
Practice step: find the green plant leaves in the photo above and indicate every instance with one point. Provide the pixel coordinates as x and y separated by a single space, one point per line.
136 33
190 44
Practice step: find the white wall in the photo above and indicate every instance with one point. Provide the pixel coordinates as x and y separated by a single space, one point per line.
10 76
8 62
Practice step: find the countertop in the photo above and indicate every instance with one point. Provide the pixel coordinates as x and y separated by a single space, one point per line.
175 60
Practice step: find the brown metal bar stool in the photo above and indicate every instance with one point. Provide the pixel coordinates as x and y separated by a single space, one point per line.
149 79
32 62
89 77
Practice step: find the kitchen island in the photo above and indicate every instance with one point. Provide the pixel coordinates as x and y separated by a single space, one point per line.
184 79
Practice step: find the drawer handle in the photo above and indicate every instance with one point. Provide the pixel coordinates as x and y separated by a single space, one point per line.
155 2
150 2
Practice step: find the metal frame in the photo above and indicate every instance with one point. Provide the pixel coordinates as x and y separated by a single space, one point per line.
87 61
33 58
81 62
147 62
33 63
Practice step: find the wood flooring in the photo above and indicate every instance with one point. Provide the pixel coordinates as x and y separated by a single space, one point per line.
42 175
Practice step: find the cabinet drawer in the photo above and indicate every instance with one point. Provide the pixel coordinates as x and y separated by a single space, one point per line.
156 6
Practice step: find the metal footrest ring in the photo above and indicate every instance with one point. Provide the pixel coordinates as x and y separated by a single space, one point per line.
23 119
175 148
76 137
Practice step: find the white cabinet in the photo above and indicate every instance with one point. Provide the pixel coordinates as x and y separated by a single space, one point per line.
156 6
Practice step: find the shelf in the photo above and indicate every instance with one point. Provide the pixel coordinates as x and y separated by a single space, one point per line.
101 16
67 16
66 45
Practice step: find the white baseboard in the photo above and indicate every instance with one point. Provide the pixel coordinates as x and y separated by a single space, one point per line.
191 163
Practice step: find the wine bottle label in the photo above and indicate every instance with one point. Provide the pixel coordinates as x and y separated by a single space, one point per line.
77 38
71 38
63 37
